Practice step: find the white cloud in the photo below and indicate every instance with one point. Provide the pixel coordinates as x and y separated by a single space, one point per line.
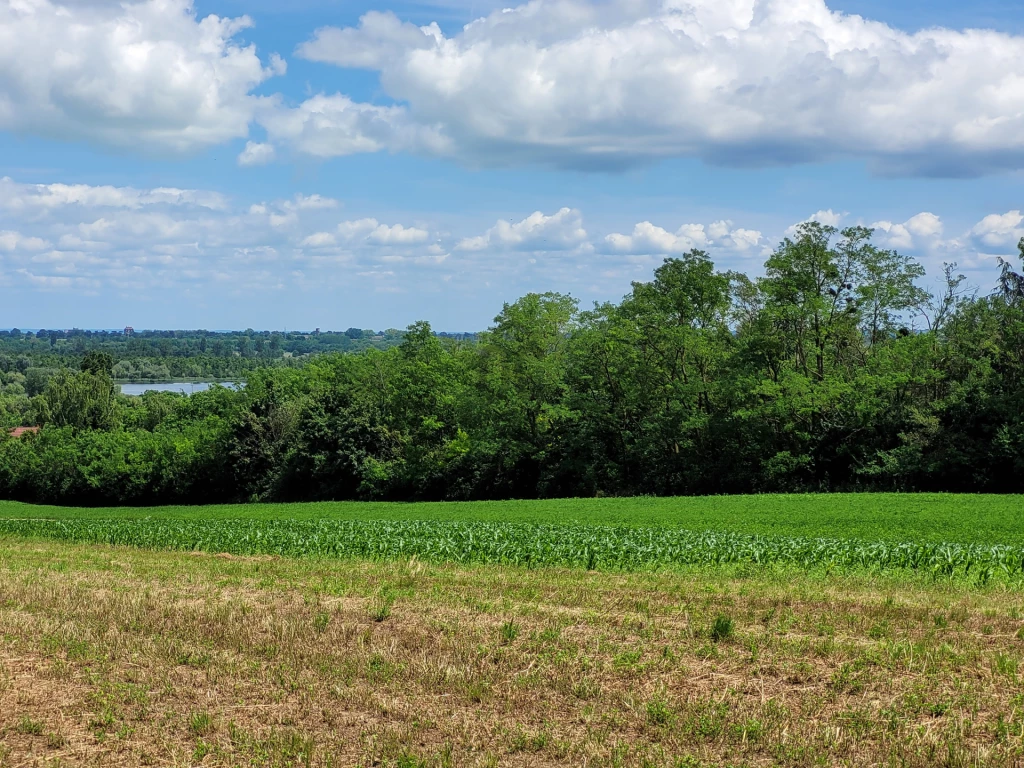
650 239
893 235
135 75
398 235
925 225
924 230
743 239
34 198
334 126
310 203
146 241
138 240
351 230
319 240
751 82
719 229
828 217
14 241
380 36
999 230
256 154
372 231
562 230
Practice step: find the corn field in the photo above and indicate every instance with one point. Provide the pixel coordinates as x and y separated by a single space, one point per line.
525 544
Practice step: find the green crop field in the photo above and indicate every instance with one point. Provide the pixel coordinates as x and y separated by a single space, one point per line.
966 519
976 536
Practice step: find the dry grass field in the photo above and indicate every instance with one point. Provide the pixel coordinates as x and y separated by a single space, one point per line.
118 656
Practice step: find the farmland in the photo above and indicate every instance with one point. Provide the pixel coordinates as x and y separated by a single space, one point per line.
113 655
930 534
744 631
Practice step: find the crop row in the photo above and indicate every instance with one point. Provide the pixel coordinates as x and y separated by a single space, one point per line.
524 544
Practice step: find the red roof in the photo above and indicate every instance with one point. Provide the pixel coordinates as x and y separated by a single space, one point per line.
19 431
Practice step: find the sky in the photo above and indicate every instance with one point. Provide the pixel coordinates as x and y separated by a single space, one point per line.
339 163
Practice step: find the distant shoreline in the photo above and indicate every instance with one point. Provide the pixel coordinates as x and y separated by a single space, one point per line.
178 381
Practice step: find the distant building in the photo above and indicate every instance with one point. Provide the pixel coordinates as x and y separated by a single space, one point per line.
128 330
19 431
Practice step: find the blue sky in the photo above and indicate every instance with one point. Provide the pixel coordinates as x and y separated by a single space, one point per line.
169 164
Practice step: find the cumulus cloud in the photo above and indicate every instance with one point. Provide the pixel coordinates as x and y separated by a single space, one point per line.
334 126
749 82
155 239
319 240
828 217
924 225
372 231
651 240
380 36
563 230
15 241
999 230
310 203
256 154
36 198
568 83
137 75
742 239
397 235
77 237
919 231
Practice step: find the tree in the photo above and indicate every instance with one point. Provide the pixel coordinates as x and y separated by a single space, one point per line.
1011 284
81 401
646 380
96 362
523 376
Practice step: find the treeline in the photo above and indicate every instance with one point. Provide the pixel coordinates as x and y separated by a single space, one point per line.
155 355
835 370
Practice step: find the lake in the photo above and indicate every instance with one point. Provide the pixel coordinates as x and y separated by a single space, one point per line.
185 387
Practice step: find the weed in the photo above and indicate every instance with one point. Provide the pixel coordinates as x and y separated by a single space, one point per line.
1006 665
200 723
658 712
321 621
509 631
722 628
380 606
29 727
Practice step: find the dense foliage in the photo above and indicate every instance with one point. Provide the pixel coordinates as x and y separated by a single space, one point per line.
835 370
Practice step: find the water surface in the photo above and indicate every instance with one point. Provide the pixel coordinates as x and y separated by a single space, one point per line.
184 387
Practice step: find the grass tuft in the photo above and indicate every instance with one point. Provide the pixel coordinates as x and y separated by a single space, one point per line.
722 629
509 631
200 723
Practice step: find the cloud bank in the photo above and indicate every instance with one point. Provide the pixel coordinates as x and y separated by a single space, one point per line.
562 83
743 82
85 238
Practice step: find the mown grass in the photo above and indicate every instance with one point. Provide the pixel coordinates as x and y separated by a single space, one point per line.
122 656
870 517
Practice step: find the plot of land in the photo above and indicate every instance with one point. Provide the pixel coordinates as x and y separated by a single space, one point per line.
128 657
